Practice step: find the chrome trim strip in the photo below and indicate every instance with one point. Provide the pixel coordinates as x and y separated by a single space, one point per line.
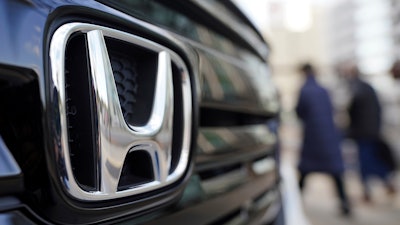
225 182
264 165
116 137
245 139
231 21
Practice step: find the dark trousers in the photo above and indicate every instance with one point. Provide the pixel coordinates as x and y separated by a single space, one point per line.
339 185
372 164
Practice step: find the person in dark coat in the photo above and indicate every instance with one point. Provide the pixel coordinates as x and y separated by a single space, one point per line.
320 150
365 124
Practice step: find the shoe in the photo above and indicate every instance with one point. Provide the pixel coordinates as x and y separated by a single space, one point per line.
390 189
346 209
367 198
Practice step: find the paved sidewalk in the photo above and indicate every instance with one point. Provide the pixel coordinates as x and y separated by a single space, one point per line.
321 205
319 201
292 200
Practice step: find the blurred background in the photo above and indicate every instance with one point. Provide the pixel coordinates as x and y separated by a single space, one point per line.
327 33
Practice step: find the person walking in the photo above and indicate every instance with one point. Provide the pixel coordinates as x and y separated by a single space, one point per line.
365 116
320 150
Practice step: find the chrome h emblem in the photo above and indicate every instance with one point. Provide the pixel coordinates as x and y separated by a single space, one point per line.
116 138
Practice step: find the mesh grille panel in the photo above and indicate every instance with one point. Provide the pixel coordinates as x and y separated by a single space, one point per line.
125 75
134 70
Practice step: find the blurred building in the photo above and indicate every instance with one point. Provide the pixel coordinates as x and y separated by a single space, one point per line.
296 33
368 31
396 26
362 30
342 41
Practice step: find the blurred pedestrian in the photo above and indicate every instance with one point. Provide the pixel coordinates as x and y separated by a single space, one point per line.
321 143
365 124
392 121
395 70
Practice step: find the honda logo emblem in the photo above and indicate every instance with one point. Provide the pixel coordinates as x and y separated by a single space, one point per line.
117 138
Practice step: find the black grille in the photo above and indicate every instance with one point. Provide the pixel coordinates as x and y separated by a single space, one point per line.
21 128
134 71
133 172
125 75
80 113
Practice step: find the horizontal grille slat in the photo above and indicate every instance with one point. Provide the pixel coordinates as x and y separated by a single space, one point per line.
223 178
226 146
221 206
214 117
218 140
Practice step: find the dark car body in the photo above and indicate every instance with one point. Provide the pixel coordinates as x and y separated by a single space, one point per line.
82 84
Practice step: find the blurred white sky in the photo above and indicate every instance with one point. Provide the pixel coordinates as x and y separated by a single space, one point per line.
297 12
314 24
